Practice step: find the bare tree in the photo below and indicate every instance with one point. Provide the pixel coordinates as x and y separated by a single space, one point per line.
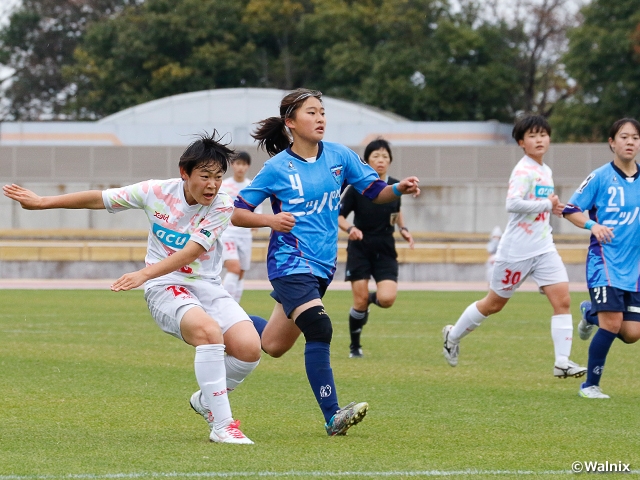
543 27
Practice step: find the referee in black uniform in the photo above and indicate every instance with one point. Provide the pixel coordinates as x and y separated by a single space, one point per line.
371 251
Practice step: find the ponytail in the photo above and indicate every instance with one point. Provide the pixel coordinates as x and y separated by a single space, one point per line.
272 135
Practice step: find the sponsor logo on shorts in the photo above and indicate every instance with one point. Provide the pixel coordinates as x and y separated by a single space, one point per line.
179 291
205 232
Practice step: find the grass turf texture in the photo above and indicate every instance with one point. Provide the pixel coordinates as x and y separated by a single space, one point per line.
90 385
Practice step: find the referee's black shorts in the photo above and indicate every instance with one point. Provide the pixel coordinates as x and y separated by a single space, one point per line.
373 256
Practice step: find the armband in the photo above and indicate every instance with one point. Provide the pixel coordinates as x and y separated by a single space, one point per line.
396 190
589 224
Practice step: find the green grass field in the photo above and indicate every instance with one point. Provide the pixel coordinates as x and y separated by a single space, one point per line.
91 388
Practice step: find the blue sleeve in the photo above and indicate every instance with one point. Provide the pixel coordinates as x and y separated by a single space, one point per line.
584 197
260 188
363 178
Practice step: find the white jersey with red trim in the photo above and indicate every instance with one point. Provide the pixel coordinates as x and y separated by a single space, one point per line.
528 233
173 223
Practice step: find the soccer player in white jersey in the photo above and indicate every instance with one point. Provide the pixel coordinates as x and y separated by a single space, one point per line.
236 241
526 249
611 195
303 179
182 273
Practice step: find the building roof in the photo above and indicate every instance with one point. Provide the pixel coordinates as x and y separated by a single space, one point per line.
233 112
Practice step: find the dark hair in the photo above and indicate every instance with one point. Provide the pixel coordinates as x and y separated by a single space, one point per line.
243 156
535 123
206 152
377 144
272 133
618 124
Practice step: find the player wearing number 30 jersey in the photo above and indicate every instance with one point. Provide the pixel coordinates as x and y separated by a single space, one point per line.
526 249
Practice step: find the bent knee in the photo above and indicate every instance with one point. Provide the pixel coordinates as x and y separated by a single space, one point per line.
274 351
386 302
249 352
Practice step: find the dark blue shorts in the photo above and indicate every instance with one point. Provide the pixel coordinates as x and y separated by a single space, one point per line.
612 299
295 290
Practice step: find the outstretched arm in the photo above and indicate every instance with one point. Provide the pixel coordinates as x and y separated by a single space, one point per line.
91 199
406 186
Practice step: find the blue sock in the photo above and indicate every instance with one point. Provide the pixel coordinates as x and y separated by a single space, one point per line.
598 351
259 323
592 318
320 375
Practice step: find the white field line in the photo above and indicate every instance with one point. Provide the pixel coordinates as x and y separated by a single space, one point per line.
293 473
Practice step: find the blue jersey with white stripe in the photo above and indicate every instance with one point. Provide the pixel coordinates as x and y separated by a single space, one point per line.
613 200
311 192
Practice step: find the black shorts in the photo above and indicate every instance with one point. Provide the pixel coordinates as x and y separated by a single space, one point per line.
612 299
373 256
297 289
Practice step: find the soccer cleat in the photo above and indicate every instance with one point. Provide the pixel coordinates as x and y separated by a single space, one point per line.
346 418
229 434
197 406
356 353
571 369
591 392
585 328
450 350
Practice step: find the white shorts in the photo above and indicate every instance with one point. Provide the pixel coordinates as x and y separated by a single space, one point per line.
168 303
235 248
545 269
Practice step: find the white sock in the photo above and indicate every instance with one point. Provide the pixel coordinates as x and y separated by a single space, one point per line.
211 376
470 319
237 371
239 289
562 335
230 283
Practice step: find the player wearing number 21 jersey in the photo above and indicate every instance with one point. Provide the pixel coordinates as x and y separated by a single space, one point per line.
611 194
526 249
613 200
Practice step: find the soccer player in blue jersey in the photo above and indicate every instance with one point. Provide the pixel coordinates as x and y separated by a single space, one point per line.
303 180
611 194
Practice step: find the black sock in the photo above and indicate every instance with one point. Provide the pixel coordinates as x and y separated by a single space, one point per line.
357 319
373 298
